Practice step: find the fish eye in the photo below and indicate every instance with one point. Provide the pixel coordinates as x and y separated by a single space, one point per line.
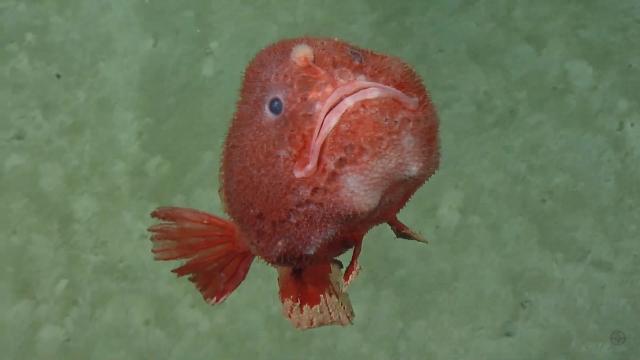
275 106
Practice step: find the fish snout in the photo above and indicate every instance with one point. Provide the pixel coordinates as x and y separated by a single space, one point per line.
339 101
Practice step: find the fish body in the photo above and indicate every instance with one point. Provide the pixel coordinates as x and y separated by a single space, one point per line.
327 141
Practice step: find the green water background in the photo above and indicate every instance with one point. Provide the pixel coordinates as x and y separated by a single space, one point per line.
111 108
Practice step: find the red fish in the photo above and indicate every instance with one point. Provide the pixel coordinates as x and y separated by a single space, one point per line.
327 141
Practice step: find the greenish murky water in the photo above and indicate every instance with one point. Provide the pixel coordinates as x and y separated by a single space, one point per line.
109 109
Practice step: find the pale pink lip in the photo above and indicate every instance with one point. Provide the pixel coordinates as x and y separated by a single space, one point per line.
340 100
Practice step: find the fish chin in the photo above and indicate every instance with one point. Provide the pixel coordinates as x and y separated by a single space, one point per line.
338 103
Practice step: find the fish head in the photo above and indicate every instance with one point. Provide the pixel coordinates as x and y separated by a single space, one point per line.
320 121
299 93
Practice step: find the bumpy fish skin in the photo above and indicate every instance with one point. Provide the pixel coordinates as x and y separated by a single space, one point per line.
375 158
328 140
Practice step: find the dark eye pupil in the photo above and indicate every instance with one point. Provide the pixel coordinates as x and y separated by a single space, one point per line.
276 106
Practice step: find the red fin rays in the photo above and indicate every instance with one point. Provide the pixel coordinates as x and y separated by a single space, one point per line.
402 231
313 296
217 260
354 267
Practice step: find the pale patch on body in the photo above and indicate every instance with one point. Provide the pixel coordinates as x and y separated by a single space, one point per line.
362 187
302 54
318 239
413 166
361 191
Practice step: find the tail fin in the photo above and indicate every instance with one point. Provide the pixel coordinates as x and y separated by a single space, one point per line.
217 261
313 296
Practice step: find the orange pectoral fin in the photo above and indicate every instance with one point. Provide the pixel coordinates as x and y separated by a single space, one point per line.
216 260
402 231
354 267
313 296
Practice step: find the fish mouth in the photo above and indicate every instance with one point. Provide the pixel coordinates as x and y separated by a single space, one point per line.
338 102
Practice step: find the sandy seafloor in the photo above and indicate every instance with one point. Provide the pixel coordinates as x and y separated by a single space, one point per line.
111 108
